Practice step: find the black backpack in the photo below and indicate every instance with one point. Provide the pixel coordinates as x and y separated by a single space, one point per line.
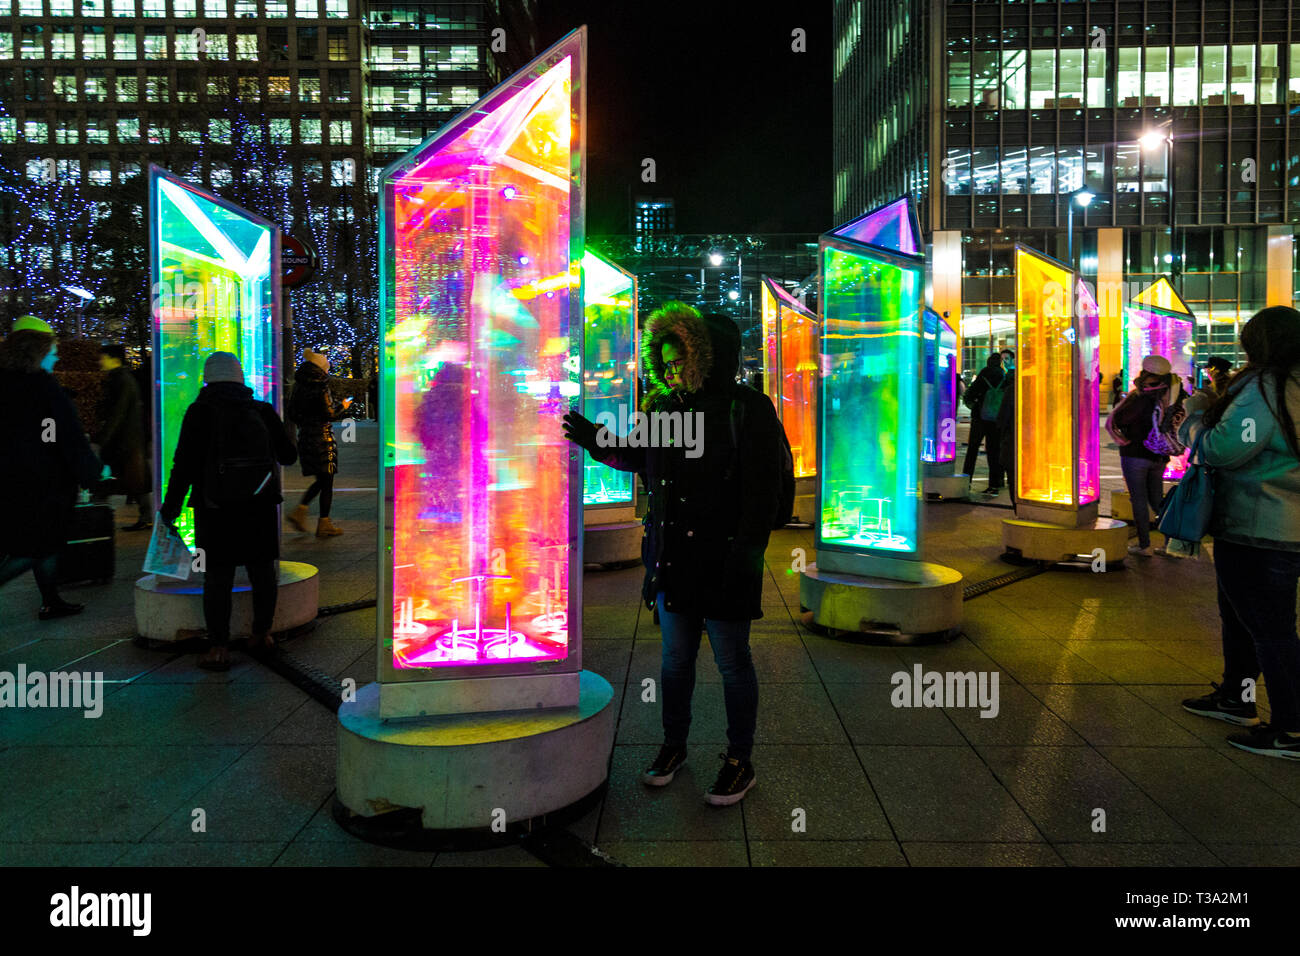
239 464
785 503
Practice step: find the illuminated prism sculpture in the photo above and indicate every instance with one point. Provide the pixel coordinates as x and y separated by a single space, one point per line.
1058 393
214 290
481 324
609 373
939 395
869 412
791 339
1158 322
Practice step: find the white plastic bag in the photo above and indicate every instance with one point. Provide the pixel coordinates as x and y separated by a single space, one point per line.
167 554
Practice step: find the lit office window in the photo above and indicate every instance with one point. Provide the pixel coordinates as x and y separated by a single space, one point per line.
124 44
1268 74
63 45
336 8
1293 89
1185 75
185 8
219 131
1128 159
153 8
1015 78
1015 172
277 89
246 9
6 46
277 9
463 96
984 171
1243 75
1069 169
155 88
31 8
1070 90
187 86
96 130
1214 76
1155 170
249 89
309 131
306 9
127 87
220 175
1128 83
8 129
95 87
65 85
94 44
60 8
99 173
1042 169
187 46
215 8
67 132
127 171
155 44
69 169
308 88
986 79
123 8
958 80
1095 169
463 58
36 131
1155 83
33 43
281 130
338 44
246 46
218 46
343 172
1042 79
340 132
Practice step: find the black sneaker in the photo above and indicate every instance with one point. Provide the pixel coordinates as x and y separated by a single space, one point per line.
734 780
1268 742
665 767
1219 705
63 609
992 490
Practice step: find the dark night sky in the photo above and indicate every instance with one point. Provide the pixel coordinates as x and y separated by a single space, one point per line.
739 125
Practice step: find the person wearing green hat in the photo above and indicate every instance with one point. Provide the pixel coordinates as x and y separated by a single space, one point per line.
47 459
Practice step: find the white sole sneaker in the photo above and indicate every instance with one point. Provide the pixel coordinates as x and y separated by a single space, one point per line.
661 780
726 800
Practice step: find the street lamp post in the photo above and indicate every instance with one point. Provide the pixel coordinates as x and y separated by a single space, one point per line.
1163 136
1083 196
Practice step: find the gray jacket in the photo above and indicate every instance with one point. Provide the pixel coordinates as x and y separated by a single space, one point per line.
1256 477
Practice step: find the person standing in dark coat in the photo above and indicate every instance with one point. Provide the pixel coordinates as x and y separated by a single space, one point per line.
989 378
46 459
709 515
312 409
1130 423
120 435
246 534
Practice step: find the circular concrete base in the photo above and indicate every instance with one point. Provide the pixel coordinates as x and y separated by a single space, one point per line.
469 771
947 487
164 606
612 543
1039 541
898 610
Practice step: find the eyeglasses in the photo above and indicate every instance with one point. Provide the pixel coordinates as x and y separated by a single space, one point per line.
674 366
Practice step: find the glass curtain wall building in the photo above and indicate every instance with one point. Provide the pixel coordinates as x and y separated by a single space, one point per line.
1180 115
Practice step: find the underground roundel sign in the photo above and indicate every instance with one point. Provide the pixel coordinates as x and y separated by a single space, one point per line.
297 261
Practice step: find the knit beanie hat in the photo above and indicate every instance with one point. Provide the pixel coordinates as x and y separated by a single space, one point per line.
316 358
223 367
1156 365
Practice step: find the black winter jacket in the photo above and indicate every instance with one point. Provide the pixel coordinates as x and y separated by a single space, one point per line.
120 435
227 536
708 518
311 408
40 477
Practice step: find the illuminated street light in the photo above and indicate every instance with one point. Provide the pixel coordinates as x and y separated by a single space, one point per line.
1083 196
715 258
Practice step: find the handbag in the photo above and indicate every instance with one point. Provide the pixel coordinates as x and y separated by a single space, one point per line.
1159 441
1187 509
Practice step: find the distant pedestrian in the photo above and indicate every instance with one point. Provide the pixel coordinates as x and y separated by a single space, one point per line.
983 422
311 408
1251 437
227 459
372 397
1145 409
120 434
1007 430
1116 388
46 458
1219 370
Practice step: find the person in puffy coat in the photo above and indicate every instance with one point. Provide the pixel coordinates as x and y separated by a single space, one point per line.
1249 437
710 511
311 408
46 459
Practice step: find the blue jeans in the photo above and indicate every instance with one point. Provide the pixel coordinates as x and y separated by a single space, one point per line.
730 643
1257 594
1146 488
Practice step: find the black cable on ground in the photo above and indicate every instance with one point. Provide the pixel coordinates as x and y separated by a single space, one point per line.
344 608
1002 580
320 686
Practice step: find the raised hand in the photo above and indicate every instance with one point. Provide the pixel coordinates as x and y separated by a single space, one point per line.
580 431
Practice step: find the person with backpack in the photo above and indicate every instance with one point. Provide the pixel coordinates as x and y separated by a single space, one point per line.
311 408
227 460
984 399
1250 437
707 523
1142 425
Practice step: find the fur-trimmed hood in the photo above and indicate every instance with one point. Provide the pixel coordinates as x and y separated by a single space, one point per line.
711 344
